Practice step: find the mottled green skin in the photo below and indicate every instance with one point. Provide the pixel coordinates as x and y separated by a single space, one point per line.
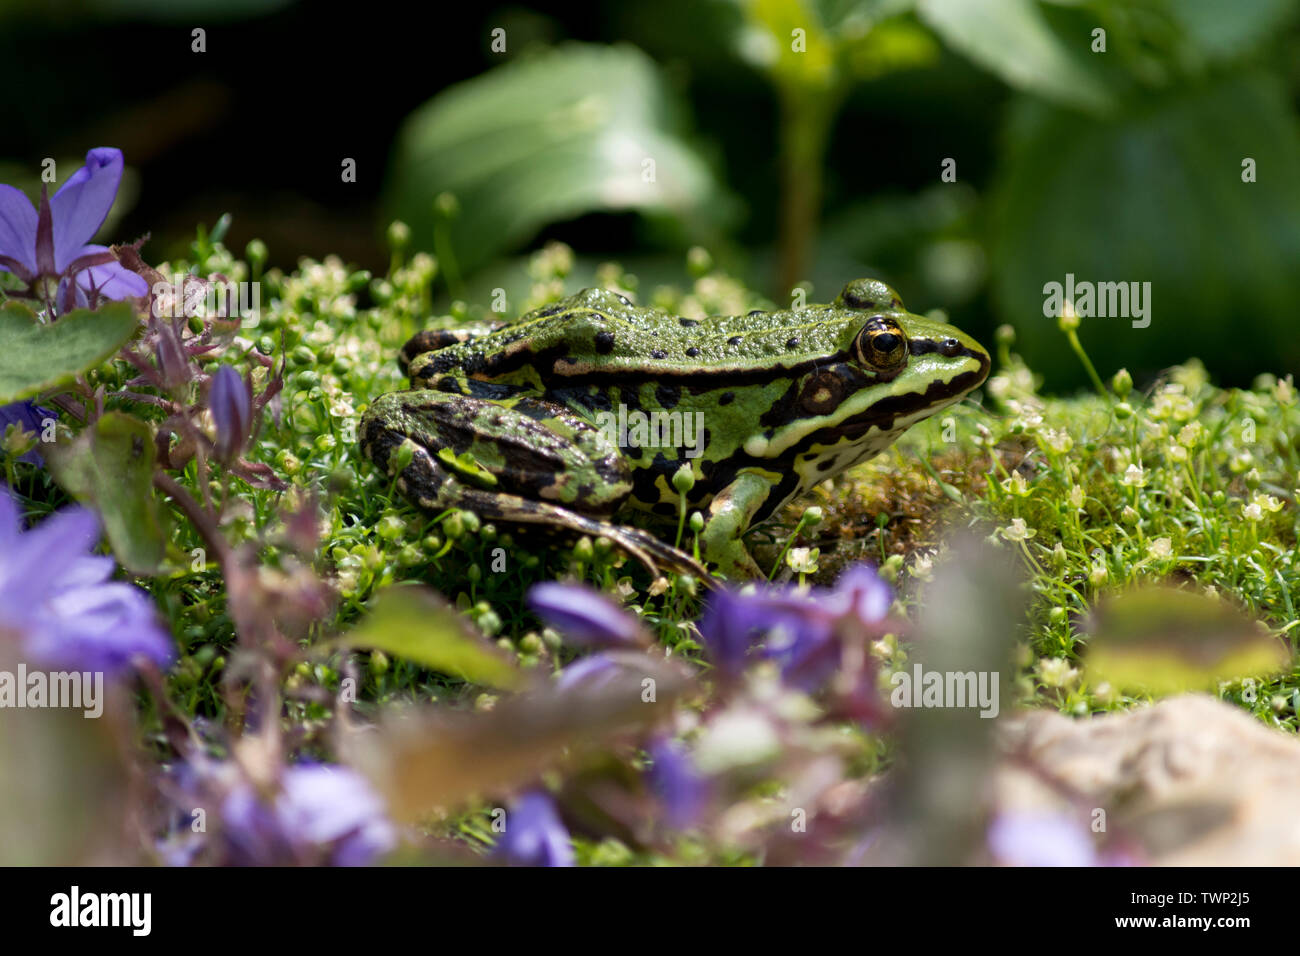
507 422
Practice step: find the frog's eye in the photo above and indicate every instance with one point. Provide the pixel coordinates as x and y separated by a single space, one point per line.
881 345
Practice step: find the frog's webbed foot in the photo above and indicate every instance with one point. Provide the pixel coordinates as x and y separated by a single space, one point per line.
518 459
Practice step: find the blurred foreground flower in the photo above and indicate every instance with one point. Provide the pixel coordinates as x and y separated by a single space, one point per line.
320 815
59 599
585 616
806 631
1048 838
677 783
1040 839
50 249
534 834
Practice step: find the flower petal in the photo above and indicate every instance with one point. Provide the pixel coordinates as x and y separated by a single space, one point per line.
868 596
81 205
584 616
677 784
112 280
1040 838
591 673
17 227
534 834
11 526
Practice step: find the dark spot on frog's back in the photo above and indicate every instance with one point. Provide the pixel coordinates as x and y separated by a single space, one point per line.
756 312
688 323
668 395
604 342
792 343
726 398
692 352
658 354
734 340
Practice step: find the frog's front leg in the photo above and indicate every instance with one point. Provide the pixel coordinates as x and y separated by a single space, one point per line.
730 513
512 457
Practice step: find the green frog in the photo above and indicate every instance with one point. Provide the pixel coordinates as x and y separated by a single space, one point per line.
595 416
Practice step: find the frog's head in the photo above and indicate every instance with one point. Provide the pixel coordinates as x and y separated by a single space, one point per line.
893 369
909 353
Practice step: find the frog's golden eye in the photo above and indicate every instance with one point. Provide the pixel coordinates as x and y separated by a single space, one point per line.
882 345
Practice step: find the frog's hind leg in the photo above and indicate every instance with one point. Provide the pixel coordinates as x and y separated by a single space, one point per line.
519 459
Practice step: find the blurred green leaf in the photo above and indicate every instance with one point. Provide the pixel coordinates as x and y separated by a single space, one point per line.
64 782
1163 640
1049 56
34 357
438 758
417 625
1156 195
1222 30
573 130
110 467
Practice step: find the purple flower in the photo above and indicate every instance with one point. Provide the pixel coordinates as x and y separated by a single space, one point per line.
678 785
232 412
321 813
59 599
534 834
54 242
585 616
1040 839
30 417
800 629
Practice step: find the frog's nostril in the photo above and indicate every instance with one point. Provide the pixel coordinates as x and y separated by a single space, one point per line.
950 347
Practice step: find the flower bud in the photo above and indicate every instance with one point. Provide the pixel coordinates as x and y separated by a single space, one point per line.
231 407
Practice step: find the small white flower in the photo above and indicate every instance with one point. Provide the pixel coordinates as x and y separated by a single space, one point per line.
1160 548
1191 434
1017 531
1015 485
1268 503
1134 476
1056 671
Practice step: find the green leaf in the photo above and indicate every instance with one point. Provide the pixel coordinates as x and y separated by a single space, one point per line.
1163 640
419 626
110 467
1156 195
1049 56
546 138
1224 30
34 357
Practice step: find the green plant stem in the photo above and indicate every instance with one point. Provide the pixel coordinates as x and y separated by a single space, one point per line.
806 117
